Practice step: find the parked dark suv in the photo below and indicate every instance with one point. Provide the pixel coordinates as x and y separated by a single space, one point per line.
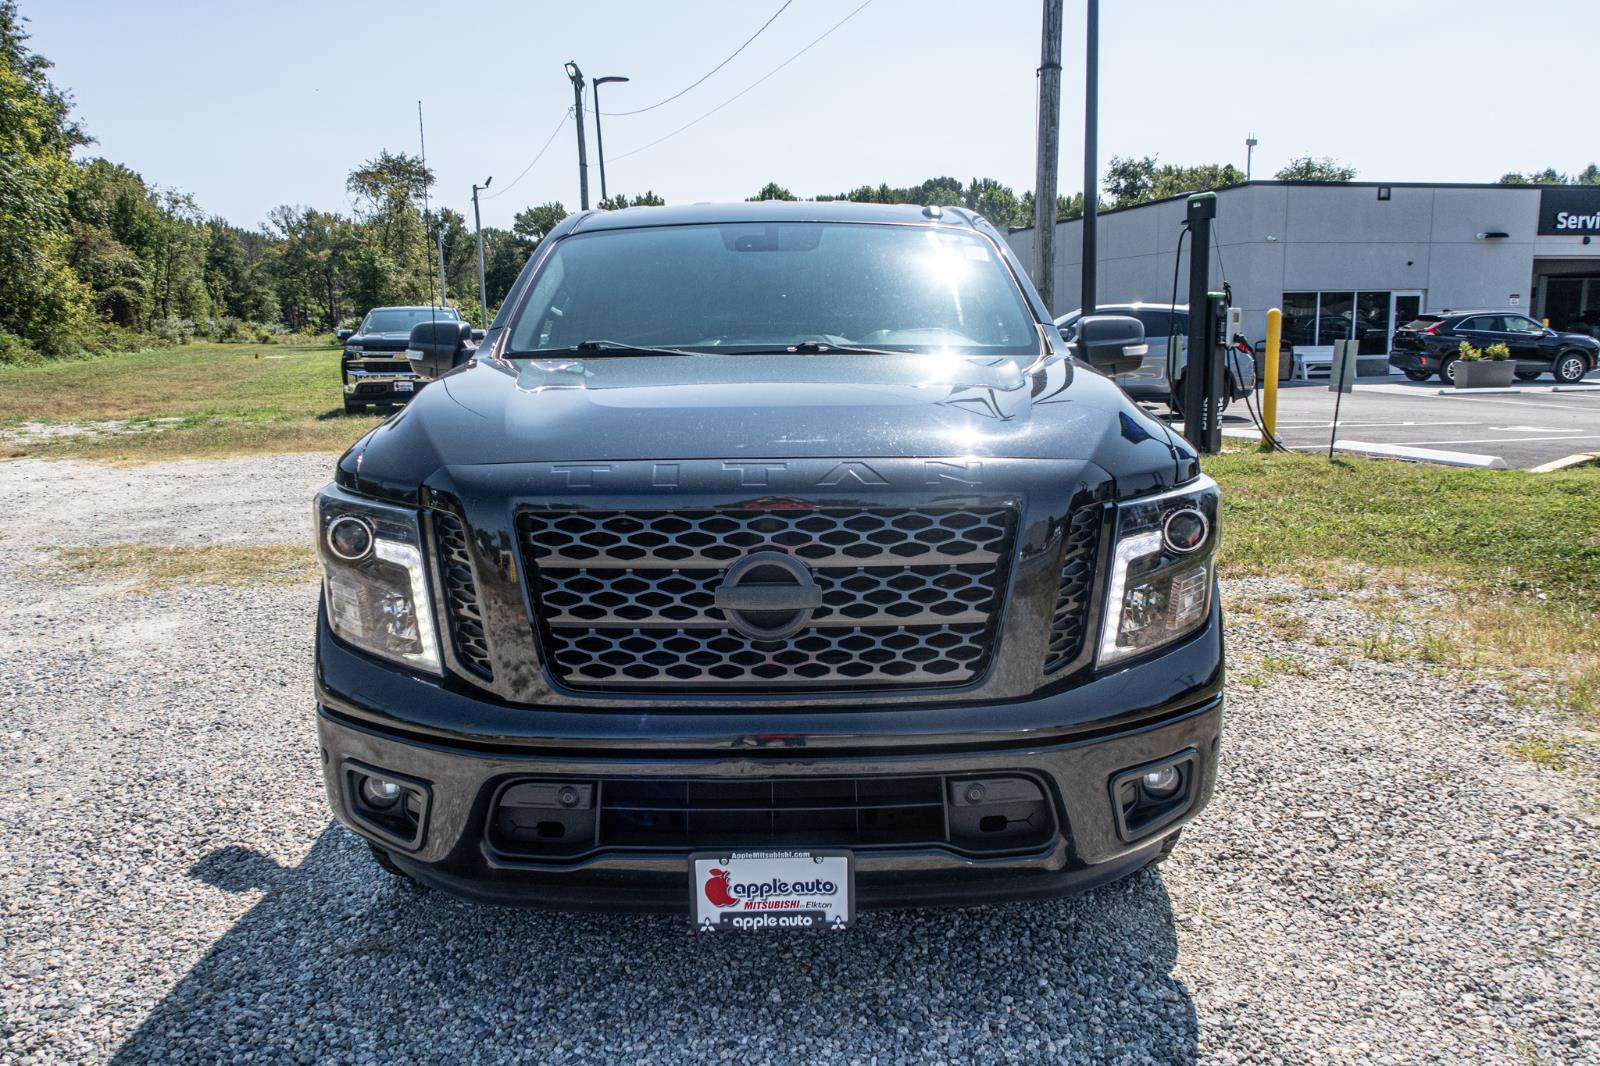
766 561
1430 345
374 365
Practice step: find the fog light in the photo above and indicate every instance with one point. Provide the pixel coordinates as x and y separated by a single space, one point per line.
1161 783
379 793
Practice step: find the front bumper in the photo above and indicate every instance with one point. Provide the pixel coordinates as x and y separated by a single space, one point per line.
378 385
1164 707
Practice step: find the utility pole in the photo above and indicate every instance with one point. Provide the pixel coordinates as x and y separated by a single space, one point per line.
477 225
1048 148
576 76
1091 162
1250 143
599 141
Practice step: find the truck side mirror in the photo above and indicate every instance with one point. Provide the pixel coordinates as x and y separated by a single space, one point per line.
1112 344
436 348
344 334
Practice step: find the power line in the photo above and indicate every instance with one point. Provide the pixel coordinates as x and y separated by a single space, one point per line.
565 115
713 70
752 85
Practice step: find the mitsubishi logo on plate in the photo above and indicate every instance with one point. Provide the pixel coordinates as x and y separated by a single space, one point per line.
769 595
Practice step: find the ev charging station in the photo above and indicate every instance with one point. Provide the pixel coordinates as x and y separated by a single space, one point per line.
1204 382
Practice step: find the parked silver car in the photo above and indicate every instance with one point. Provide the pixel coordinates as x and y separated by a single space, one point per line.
1165 326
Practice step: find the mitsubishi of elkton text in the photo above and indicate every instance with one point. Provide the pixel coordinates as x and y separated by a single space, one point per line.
764 563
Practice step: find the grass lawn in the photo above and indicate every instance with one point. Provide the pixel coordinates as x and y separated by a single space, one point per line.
1519 551
189 402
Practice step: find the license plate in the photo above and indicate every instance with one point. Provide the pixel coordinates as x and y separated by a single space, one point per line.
752 890
403 386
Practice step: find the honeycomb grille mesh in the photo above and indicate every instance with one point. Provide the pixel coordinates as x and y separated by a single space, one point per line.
462 610
1069 623
627 599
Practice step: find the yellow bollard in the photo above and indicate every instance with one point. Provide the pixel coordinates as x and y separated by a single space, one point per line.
1269 394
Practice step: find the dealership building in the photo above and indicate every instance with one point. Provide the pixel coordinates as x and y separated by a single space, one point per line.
1354 259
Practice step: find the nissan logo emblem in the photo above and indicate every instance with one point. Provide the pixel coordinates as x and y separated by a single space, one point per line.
768 595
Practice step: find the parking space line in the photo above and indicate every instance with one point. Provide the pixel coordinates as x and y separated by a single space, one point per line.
1512 440
1427 455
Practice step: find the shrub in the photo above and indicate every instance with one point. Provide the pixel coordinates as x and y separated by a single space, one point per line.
1497 352
1468 353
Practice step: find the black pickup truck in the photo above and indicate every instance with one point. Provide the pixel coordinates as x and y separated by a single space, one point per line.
374 365
766 562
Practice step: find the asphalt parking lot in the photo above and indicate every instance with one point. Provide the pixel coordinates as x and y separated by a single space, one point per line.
1525 429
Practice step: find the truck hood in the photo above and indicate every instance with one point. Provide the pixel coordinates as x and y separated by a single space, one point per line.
616 408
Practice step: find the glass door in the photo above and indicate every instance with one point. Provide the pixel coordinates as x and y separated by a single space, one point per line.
1404 308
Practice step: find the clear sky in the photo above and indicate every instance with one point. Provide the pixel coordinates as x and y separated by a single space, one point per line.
251 105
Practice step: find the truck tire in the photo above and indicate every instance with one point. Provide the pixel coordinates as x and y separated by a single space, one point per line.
1570 367
1419 375
354 408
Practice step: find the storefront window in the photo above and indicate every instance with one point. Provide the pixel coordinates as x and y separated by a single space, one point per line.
1300 318
1336 317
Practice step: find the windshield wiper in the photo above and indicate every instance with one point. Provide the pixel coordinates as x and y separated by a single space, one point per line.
600 347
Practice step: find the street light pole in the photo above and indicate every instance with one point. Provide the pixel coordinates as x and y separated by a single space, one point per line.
477 224
599 141
1250 143
576 77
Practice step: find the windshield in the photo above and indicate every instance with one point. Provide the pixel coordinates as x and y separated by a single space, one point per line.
401 319
767 286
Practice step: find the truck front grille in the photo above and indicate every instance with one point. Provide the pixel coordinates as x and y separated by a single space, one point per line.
1069 623
628 599
463 613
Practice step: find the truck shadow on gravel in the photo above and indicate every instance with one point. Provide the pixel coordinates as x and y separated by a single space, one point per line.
340 960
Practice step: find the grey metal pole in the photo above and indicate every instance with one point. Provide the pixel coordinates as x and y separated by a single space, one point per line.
583 151
1048 148
599 141
438 236
1091 162
477 225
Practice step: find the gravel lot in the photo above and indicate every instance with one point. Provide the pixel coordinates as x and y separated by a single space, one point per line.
1377 880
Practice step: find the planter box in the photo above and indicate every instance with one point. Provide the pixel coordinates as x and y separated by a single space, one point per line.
1486 374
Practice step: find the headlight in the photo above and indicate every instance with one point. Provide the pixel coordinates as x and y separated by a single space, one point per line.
374 583
354 349
1162 569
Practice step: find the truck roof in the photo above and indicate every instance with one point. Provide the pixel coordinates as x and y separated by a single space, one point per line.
771 211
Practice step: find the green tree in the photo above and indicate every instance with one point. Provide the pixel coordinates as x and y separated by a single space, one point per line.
1130 181
1308 168
620 201
44 303
772 191
1589 175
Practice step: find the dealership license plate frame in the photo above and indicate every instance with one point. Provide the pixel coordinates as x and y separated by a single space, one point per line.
405 386
761 865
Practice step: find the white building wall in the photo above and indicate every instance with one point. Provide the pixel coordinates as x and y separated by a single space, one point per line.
1269 239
